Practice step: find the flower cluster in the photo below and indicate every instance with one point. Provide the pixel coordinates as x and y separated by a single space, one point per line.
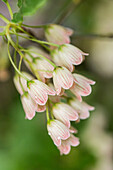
51 79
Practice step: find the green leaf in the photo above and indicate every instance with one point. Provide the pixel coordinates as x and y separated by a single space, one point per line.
17 17
4 1
27 7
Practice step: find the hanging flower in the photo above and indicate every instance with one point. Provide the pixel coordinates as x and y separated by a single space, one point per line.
64 113
58 131
82 108
29 105
20 82
39 91
65 146
58 34
81 86
68 55
62 78
40 65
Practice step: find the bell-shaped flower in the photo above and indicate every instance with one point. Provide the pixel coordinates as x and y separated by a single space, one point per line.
82 108
29 105
58 34
65 146
81 86
68 55
45 68
58 131
62 78
39 91
64 113
21 83
42 66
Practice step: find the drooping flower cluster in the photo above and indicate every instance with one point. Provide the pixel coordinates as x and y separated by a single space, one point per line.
52 79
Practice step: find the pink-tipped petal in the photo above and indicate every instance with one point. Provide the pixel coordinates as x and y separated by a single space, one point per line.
57 130
64 149
29 106
73 141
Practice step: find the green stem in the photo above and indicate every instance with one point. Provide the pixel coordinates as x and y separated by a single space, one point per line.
14 64
2 33
4 18
38 41
15 49
20 62
35 26
9 8
47 113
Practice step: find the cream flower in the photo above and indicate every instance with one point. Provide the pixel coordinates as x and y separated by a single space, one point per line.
58 131
68 55
81 86
62 78
58 34
82 108
65 146
39 91
64 113
29 105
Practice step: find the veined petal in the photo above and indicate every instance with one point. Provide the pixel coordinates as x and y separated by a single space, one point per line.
57 130
73 141
37 93
81 107
29 106
18 81
79 79
58 34
65 77
64 149
64 113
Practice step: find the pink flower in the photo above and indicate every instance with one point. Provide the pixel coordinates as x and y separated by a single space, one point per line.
39 91
58 131
29 106
58 34
81 107
43 67
18 81
64 113
65 146
81 86
68 55
62 78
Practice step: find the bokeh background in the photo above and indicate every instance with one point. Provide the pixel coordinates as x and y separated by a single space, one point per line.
24 144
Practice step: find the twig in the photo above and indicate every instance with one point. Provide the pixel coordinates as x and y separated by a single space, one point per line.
92 36
68 10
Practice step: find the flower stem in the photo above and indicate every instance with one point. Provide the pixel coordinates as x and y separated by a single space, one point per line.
38 41
14 64
41 57
47 113
4 18
9 8
34 26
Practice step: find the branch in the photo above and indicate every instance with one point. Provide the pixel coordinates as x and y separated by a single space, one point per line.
92 36
66 12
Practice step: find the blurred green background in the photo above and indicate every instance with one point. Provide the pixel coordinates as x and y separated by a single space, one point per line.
24 144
